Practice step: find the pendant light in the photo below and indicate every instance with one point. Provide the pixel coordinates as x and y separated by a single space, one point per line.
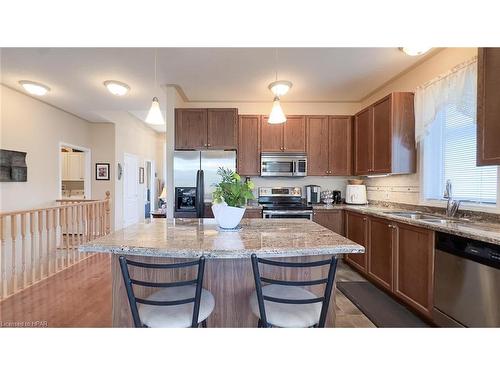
278 88
154 115
277 116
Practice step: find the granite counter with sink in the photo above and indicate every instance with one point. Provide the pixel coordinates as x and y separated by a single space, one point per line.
478 230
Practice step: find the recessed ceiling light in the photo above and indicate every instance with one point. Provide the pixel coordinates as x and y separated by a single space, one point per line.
280 88
34 88
414 51
117 88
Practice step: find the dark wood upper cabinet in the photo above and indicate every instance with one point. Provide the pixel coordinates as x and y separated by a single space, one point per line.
249 145
488 106
287 137
329 145
202 128
190 128
363 132
381 137
331 219
380 259
222 130
414 267
356 229
271 136
318 154
340 159
384 136
294 134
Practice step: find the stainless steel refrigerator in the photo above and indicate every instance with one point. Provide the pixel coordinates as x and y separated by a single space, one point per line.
199 169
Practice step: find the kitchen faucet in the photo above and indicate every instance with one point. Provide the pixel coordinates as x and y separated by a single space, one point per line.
452 205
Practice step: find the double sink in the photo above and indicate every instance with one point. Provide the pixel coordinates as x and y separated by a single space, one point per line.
423 217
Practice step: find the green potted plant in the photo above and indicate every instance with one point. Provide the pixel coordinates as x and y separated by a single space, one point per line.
230 197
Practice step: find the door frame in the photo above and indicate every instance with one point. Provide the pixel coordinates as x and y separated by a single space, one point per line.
87 182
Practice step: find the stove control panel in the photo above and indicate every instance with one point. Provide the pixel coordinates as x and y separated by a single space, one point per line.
280 192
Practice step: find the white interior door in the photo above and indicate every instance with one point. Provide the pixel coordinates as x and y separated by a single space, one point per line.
130 189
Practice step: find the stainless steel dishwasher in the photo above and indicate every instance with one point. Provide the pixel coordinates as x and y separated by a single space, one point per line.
466 282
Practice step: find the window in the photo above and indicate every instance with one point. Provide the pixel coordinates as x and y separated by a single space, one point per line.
450 154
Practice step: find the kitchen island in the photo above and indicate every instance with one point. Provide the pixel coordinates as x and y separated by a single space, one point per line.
228 270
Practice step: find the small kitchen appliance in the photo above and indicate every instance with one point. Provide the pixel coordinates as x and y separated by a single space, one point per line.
337 197
355 194
313 194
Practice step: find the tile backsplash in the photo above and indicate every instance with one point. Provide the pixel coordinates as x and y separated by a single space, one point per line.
326 182
397 188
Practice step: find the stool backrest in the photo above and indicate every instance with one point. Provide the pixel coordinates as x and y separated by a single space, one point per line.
133 300
325 299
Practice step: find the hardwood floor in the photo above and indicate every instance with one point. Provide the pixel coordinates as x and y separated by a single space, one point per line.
80 296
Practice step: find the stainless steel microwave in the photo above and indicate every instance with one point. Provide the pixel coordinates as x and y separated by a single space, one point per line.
280 164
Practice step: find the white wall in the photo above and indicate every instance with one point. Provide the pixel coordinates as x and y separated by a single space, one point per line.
133 137
34 127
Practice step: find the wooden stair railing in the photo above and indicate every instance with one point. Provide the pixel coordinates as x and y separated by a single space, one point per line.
36 244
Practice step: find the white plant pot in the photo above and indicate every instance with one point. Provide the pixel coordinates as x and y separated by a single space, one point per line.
226 216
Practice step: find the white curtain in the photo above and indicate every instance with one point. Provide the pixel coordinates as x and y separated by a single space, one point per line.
458 87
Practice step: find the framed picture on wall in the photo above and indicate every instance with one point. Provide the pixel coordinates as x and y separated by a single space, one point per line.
141 175
102 171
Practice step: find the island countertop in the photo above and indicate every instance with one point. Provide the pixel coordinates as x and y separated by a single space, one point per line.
191 238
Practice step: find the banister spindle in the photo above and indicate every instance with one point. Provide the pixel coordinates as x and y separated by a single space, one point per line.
33 248
3 266
13 235
40 244
24 279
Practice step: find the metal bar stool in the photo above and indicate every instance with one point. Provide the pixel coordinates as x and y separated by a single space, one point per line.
178 304
283 303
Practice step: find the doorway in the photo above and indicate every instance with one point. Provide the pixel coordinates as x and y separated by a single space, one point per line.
131 204
150 200
74 172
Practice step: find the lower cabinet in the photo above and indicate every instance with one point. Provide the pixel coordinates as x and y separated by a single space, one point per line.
356 229
380 258
414 267
250 213
399 258
331 219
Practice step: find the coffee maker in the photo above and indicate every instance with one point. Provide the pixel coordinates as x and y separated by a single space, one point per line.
313 194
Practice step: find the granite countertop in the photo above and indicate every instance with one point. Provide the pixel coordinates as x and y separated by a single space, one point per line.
190 238
477 230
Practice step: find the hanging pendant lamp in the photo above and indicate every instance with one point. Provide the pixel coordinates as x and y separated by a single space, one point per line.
277 116
278 88
155 116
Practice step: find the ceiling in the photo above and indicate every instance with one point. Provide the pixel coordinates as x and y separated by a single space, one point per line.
76 75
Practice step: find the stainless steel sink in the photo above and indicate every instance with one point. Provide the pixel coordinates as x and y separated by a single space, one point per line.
440 220
423 217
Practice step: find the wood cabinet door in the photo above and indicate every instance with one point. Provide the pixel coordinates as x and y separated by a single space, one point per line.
382 136
317 146
222 132
340 155
363 142
380 260
294 134
191 128
249 145
414 267
271 136
331 219
356 230
252 214
488 107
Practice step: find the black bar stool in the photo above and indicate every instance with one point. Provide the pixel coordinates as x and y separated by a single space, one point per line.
283 303
178 304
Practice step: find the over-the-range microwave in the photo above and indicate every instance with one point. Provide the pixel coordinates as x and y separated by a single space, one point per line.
281 164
